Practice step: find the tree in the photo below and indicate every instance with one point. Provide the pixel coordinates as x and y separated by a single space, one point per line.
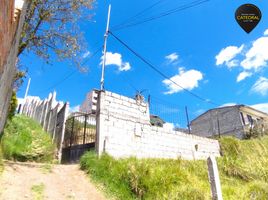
51 28
13 105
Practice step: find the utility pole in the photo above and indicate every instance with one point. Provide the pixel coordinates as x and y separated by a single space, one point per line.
27 89
187 116
104 49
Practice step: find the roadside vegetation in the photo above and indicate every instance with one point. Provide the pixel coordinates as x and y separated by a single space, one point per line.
38 191
1 161
24 140
243 173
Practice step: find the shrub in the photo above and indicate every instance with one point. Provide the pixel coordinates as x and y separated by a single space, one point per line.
257 190
243 172
133 178
13 105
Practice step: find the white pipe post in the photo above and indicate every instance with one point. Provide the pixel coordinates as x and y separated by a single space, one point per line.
104 48
27 89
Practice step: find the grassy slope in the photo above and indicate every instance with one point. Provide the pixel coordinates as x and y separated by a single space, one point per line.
24 140
243 172
244 168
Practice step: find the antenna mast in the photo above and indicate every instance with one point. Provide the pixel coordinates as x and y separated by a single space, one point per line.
104 49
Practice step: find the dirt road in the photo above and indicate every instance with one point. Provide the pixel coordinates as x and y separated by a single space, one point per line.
33 181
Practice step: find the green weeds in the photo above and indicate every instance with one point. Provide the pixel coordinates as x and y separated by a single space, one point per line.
24 140
38 191
243 172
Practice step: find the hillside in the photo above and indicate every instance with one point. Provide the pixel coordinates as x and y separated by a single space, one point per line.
24 140
243 172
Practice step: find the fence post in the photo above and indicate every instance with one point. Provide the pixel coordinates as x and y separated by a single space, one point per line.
214 178
85 128
71 137
100 120
54 128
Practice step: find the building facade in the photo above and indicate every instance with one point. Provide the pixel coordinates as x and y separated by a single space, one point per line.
237 120
89 105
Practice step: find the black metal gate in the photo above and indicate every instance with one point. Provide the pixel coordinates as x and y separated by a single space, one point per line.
79 137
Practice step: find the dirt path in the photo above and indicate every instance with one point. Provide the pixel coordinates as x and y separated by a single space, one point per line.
33 181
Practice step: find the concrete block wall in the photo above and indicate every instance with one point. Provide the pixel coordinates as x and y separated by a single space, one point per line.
124 130
223 121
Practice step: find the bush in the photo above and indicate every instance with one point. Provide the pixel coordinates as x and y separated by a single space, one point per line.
24 140
257 190
245 159
13 105
243 172
132 178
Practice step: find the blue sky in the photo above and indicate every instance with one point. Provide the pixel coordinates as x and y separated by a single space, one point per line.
202 48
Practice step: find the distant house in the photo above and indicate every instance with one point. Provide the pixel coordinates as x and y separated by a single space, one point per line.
156 121
237 120
89 105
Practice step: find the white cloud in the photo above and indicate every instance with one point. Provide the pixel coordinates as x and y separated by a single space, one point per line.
257 55
227 55
125 67
74 108
116 59
86 54
186 79
168 126
261 86
172 57
228 104
261 106
243 75
199 112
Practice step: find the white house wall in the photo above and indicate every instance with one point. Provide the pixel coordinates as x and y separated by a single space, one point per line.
124 130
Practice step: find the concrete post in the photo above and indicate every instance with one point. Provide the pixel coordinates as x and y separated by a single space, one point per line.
214 178
100 120
66 111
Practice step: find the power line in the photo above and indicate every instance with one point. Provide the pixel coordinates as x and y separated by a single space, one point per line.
163 14
159 72
137 15
72 72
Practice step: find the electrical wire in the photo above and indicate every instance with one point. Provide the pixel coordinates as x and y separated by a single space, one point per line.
163 14
161 73
71 73
137 15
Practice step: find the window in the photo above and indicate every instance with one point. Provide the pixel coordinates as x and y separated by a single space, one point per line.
242 117
250 119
